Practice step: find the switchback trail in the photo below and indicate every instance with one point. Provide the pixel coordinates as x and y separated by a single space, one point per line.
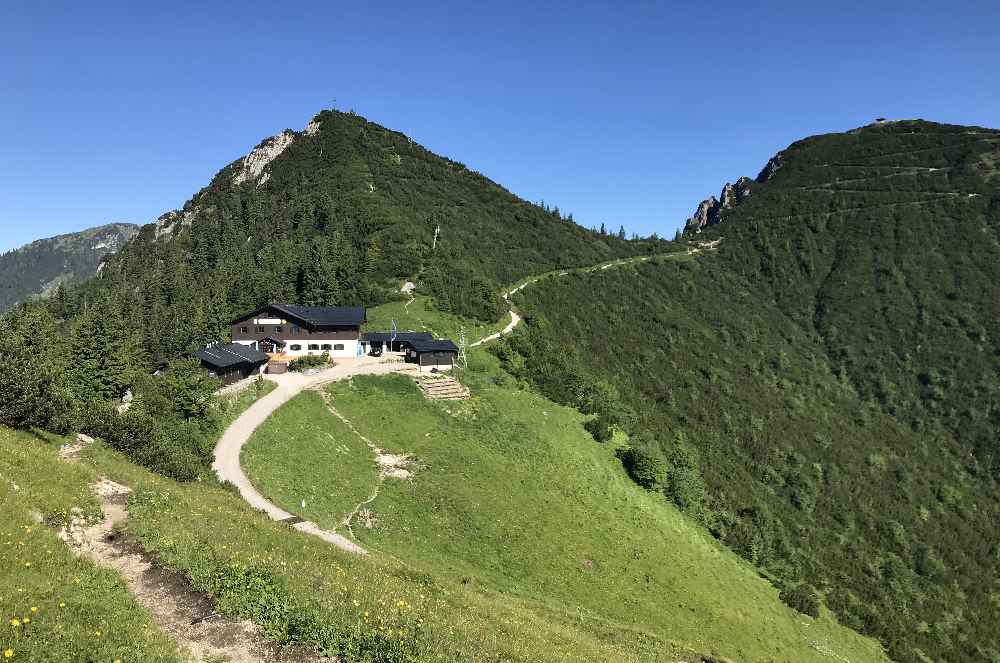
515 319
227 452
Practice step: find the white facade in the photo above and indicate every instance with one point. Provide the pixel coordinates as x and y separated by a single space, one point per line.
335 348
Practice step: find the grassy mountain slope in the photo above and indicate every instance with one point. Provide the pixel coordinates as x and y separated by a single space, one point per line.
832 370
510 495
38 268
341 213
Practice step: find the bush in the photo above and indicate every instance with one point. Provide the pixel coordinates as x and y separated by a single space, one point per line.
309 361
645 464
802 598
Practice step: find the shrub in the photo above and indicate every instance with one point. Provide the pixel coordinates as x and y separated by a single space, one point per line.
309 361
645 464
802 598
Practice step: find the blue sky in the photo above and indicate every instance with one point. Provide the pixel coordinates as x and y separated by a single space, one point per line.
621 113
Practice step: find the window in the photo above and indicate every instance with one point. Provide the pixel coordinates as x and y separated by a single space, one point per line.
314 346
260 330
278 330
296 329
326 346
295 348
338 346
244 330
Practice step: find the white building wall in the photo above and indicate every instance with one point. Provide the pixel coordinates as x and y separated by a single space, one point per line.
338 347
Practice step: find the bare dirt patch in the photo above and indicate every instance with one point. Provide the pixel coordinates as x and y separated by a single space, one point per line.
177 609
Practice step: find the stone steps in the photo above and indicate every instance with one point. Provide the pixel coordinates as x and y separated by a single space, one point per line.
442 388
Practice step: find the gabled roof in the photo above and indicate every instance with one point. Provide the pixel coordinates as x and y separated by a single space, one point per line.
385 337
314 316
229 355
435 345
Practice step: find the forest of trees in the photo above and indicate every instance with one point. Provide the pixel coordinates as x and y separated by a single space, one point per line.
823 391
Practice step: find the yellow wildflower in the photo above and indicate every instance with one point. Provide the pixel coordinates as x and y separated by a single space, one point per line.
26 620
8 653
15 622
62 605
34 609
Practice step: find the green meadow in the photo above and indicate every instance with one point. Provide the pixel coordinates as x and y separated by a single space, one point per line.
512 497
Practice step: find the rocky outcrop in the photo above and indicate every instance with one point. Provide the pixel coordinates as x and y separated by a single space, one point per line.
734 194
171 221
770 168
254 164
312 128
711 210
706 215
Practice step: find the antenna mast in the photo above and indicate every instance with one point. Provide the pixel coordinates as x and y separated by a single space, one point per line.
461 347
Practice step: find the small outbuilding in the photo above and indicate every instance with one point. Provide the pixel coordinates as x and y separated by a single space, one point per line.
231 362
400 342
433 354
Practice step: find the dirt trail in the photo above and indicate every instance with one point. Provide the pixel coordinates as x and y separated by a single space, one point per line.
227 451
395 466
177 609
516 319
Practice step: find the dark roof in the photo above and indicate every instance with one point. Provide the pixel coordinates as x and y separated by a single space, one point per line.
229 354
436 345
385 337
315 316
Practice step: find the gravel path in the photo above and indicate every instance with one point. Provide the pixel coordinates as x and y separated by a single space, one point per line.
227 451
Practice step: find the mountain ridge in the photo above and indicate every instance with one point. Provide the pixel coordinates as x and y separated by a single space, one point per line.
823 388
39 267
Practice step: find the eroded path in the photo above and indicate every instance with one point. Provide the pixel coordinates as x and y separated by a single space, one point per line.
178 610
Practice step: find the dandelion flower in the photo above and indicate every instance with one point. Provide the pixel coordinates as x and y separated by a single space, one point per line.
62 605
15 622
8 653
26 620
34 609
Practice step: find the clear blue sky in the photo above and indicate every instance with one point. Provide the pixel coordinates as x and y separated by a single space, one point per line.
624 113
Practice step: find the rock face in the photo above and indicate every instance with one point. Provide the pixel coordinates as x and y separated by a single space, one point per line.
734 194
258 159
711 210
770 168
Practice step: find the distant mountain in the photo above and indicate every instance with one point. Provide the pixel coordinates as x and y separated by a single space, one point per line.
38 268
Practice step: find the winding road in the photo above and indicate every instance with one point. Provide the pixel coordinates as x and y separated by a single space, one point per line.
227 451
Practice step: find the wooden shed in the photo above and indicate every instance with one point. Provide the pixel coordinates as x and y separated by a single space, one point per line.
231 362
436 354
